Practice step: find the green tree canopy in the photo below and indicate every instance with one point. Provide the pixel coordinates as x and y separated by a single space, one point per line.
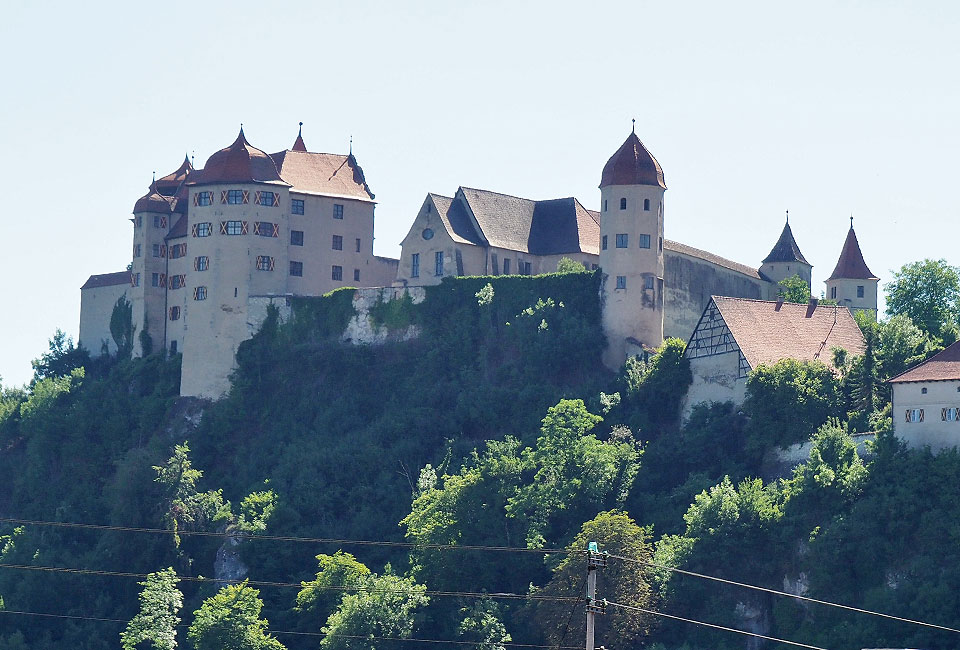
61 358
929 293
121 327
231 619
320 596
567 265
156 623
794 289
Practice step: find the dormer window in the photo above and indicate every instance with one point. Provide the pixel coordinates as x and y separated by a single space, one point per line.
623 204
646 205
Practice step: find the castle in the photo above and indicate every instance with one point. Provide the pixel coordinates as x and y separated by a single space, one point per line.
250 224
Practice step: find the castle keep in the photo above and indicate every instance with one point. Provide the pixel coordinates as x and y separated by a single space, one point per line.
209 242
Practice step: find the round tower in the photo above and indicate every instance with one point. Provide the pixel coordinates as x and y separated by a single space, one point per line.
852 284
151 223
631 251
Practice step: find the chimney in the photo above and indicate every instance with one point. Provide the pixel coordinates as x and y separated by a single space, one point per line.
812 306
779 303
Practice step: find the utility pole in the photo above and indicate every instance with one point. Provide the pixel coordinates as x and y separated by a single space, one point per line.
595 560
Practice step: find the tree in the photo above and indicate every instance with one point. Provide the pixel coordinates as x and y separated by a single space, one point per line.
121 327
901 345
320 595
625 582
383 607
567 265
482 626
231 619
929 293
185 507
157 621
61 359
653 390
794 289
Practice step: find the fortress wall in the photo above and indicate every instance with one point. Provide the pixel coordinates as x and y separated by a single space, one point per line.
688 284
96 309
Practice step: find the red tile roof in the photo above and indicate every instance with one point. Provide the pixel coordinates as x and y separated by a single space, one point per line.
323 173
786 249
107 280
169 184
239 163
851 264
179 228
943 366
767 331
632 164
152 201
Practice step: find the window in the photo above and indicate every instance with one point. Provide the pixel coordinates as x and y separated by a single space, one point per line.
136 250
427 234
604 205
234 197
356 275
200 293
951 414
914 415
506 266
296 269
648 282
202 198
337 211
178 250
646 205
923 391
337 273
138 222
266 229
644 241
495 263
623 204
622 240
159 221
296 206
833 293
621 282
201 263
603 244
173 344
267 199
203 229
524 267
233 227
438 263
174 315
156 250
134 279
415 265
859 291
337 243
264 263
296 238
177 281
358 244
154 279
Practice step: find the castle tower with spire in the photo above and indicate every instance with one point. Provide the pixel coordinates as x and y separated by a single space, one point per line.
852 284
631 251
785 259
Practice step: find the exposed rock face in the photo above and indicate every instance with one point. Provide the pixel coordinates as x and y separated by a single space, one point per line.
754 615
228 566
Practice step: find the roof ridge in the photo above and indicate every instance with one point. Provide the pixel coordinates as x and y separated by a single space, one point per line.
511 196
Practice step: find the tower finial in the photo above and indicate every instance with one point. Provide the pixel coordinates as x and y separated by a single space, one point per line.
351 144
788 217
633 128
851 221
154 175
300 131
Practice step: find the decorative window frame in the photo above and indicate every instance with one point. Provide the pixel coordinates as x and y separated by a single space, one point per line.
265 263
202 229
201 263
200 293
227 227
266 229
914 416
202 199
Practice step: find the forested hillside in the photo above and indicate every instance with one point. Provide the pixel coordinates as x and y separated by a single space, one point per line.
443 489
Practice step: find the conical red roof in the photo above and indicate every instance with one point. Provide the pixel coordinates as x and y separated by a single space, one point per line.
632 164
241 162
851 264
298 144
786 249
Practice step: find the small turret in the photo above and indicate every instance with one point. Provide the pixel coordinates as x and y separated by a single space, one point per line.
785 259
298 144
852 284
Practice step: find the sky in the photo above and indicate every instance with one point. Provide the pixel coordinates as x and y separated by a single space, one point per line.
825 109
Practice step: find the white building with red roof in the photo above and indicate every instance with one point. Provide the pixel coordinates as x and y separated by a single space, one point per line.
926 401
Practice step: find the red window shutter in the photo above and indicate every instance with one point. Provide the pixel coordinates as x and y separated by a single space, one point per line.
163 222
921 416
276 230
223 196
908 415
163 279
243 229
276 199
196 200
943 414
223 227
256 197
163 250
246 197
256 227
193 230
271 263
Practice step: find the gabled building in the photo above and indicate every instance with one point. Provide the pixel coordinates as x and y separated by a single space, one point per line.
736 335
926 401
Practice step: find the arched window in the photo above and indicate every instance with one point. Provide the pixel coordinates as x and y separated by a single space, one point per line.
623 204
646 204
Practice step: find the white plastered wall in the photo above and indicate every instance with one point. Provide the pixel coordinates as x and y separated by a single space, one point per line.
715 379
96 307
933 431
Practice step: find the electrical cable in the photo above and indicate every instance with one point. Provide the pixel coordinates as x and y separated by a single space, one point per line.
295 585
713 625
314 634
788 595
286 538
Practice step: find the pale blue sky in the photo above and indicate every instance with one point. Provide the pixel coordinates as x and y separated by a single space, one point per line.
751 108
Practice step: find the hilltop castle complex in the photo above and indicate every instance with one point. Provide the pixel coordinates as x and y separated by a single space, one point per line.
251 224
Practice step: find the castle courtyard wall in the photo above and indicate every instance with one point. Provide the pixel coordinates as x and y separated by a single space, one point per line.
96 308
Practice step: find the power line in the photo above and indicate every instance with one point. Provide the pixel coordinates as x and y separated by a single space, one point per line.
718 627
313 634
287 538
295 585
788 595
